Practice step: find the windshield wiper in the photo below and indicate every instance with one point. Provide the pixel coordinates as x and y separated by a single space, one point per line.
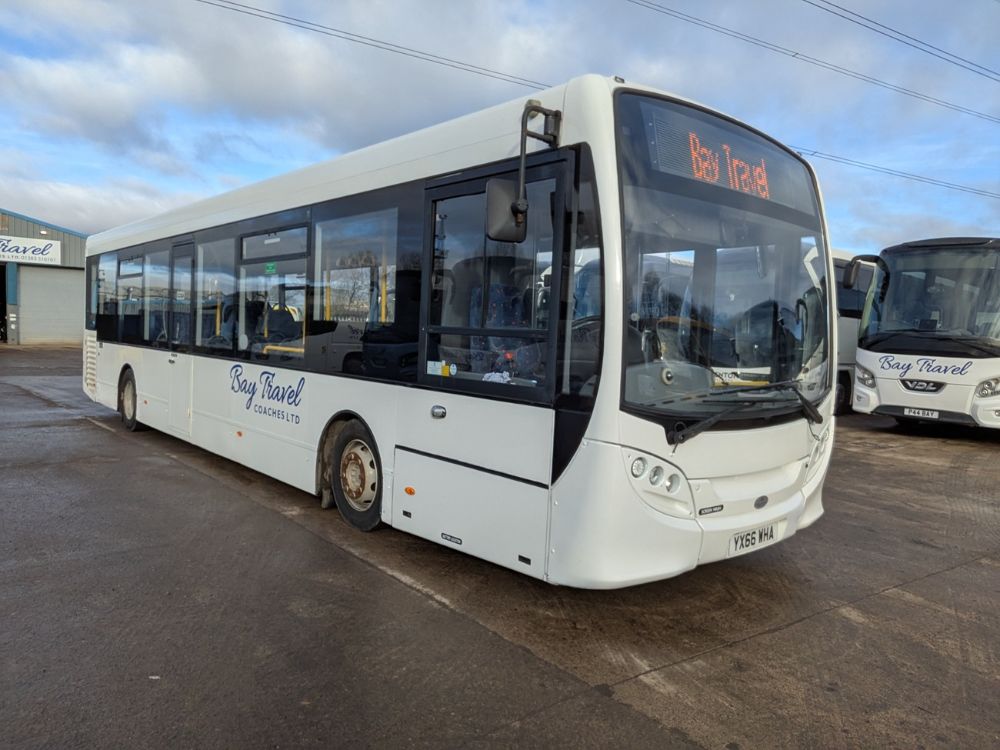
978 343
808 408
811 412
676 437
778 386
878 338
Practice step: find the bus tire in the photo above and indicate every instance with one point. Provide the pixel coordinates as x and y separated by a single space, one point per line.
356 476
128 398
842 396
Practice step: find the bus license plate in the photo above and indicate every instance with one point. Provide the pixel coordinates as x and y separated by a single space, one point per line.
751 539
922 413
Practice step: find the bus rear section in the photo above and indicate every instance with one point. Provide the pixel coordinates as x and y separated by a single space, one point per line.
929 343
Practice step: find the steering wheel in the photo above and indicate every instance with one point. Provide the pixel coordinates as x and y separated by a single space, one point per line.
586 329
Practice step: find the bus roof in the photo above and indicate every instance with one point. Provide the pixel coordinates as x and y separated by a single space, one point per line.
482 137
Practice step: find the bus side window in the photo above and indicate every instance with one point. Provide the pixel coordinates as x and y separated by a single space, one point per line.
272 295
130 299
92 286
156 274
356 285
215 298
107 297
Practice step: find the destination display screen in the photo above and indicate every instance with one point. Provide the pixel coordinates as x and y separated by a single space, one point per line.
693 144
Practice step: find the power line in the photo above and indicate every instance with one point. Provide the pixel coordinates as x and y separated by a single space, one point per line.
894 172
649 5
899 36
299 23
517 80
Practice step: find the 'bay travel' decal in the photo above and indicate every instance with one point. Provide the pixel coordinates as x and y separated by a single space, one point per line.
923 365
267 395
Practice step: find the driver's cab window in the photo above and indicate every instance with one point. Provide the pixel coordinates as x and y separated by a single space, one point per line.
491 301
744 315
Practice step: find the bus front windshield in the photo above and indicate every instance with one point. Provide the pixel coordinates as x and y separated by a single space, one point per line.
938 300
726 295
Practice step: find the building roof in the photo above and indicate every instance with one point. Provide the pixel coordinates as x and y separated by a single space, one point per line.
48 224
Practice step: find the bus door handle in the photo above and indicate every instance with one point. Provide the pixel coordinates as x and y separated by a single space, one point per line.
439 412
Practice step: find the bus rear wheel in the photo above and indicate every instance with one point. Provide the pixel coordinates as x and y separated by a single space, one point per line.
356 477
127 400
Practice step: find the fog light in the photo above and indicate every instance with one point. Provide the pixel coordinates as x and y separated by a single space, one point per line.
638 467
656 475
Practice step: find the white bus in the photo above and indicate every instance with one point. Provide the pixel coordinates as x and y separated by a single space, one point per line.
929 346
597 344
850 304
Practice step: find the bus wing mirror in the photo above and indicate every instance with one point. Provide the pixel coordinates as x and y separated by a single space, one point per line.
506 201
851 272
506 221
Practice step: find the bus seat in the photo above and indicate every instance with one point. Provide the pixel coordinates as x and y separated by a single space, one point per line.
281 326
156 327
504 309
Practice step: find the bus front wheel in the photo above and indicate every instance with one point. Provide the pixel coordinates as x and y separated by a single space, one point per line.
356 477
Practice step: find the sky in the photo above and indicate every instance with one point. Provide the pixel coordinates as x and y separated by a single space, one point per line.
115 110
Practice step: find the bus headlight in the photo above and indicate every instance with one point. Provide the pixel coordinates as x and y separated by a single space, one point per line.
988 388
864 376
661 485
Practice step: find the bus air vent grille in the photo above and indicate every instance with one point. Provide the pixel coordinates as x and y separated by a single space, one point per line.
90 365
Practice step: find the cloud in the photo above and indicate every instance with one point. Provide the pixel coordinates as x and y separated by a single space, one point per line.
87 209
192 99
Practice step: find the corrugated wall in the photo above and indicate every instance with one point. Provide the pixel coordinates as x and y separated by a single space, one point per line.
73 243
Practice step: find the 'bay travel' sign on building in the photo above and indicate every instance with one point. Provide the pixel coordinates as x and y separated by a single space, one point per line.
26 250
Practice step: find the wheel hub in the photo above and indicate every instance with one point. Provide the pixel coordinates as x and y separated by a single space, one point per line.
129 400
358 475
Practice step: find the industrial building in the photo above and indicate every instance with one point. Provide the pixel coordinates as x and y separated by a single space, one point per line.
41 282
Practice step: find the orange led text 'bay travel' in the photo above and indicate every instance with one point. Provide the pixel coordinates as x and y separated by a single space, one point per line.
707 165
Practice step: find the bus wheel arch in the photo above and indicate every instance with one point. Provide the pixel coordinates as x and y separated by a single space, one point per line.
349 471
128 399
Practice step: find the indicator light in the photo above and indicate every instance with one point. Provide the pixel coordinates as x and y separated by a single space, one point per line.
673 483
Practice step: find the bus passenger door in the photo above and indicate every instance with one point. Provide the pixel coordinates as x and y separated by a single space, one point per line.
179 363
473 459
